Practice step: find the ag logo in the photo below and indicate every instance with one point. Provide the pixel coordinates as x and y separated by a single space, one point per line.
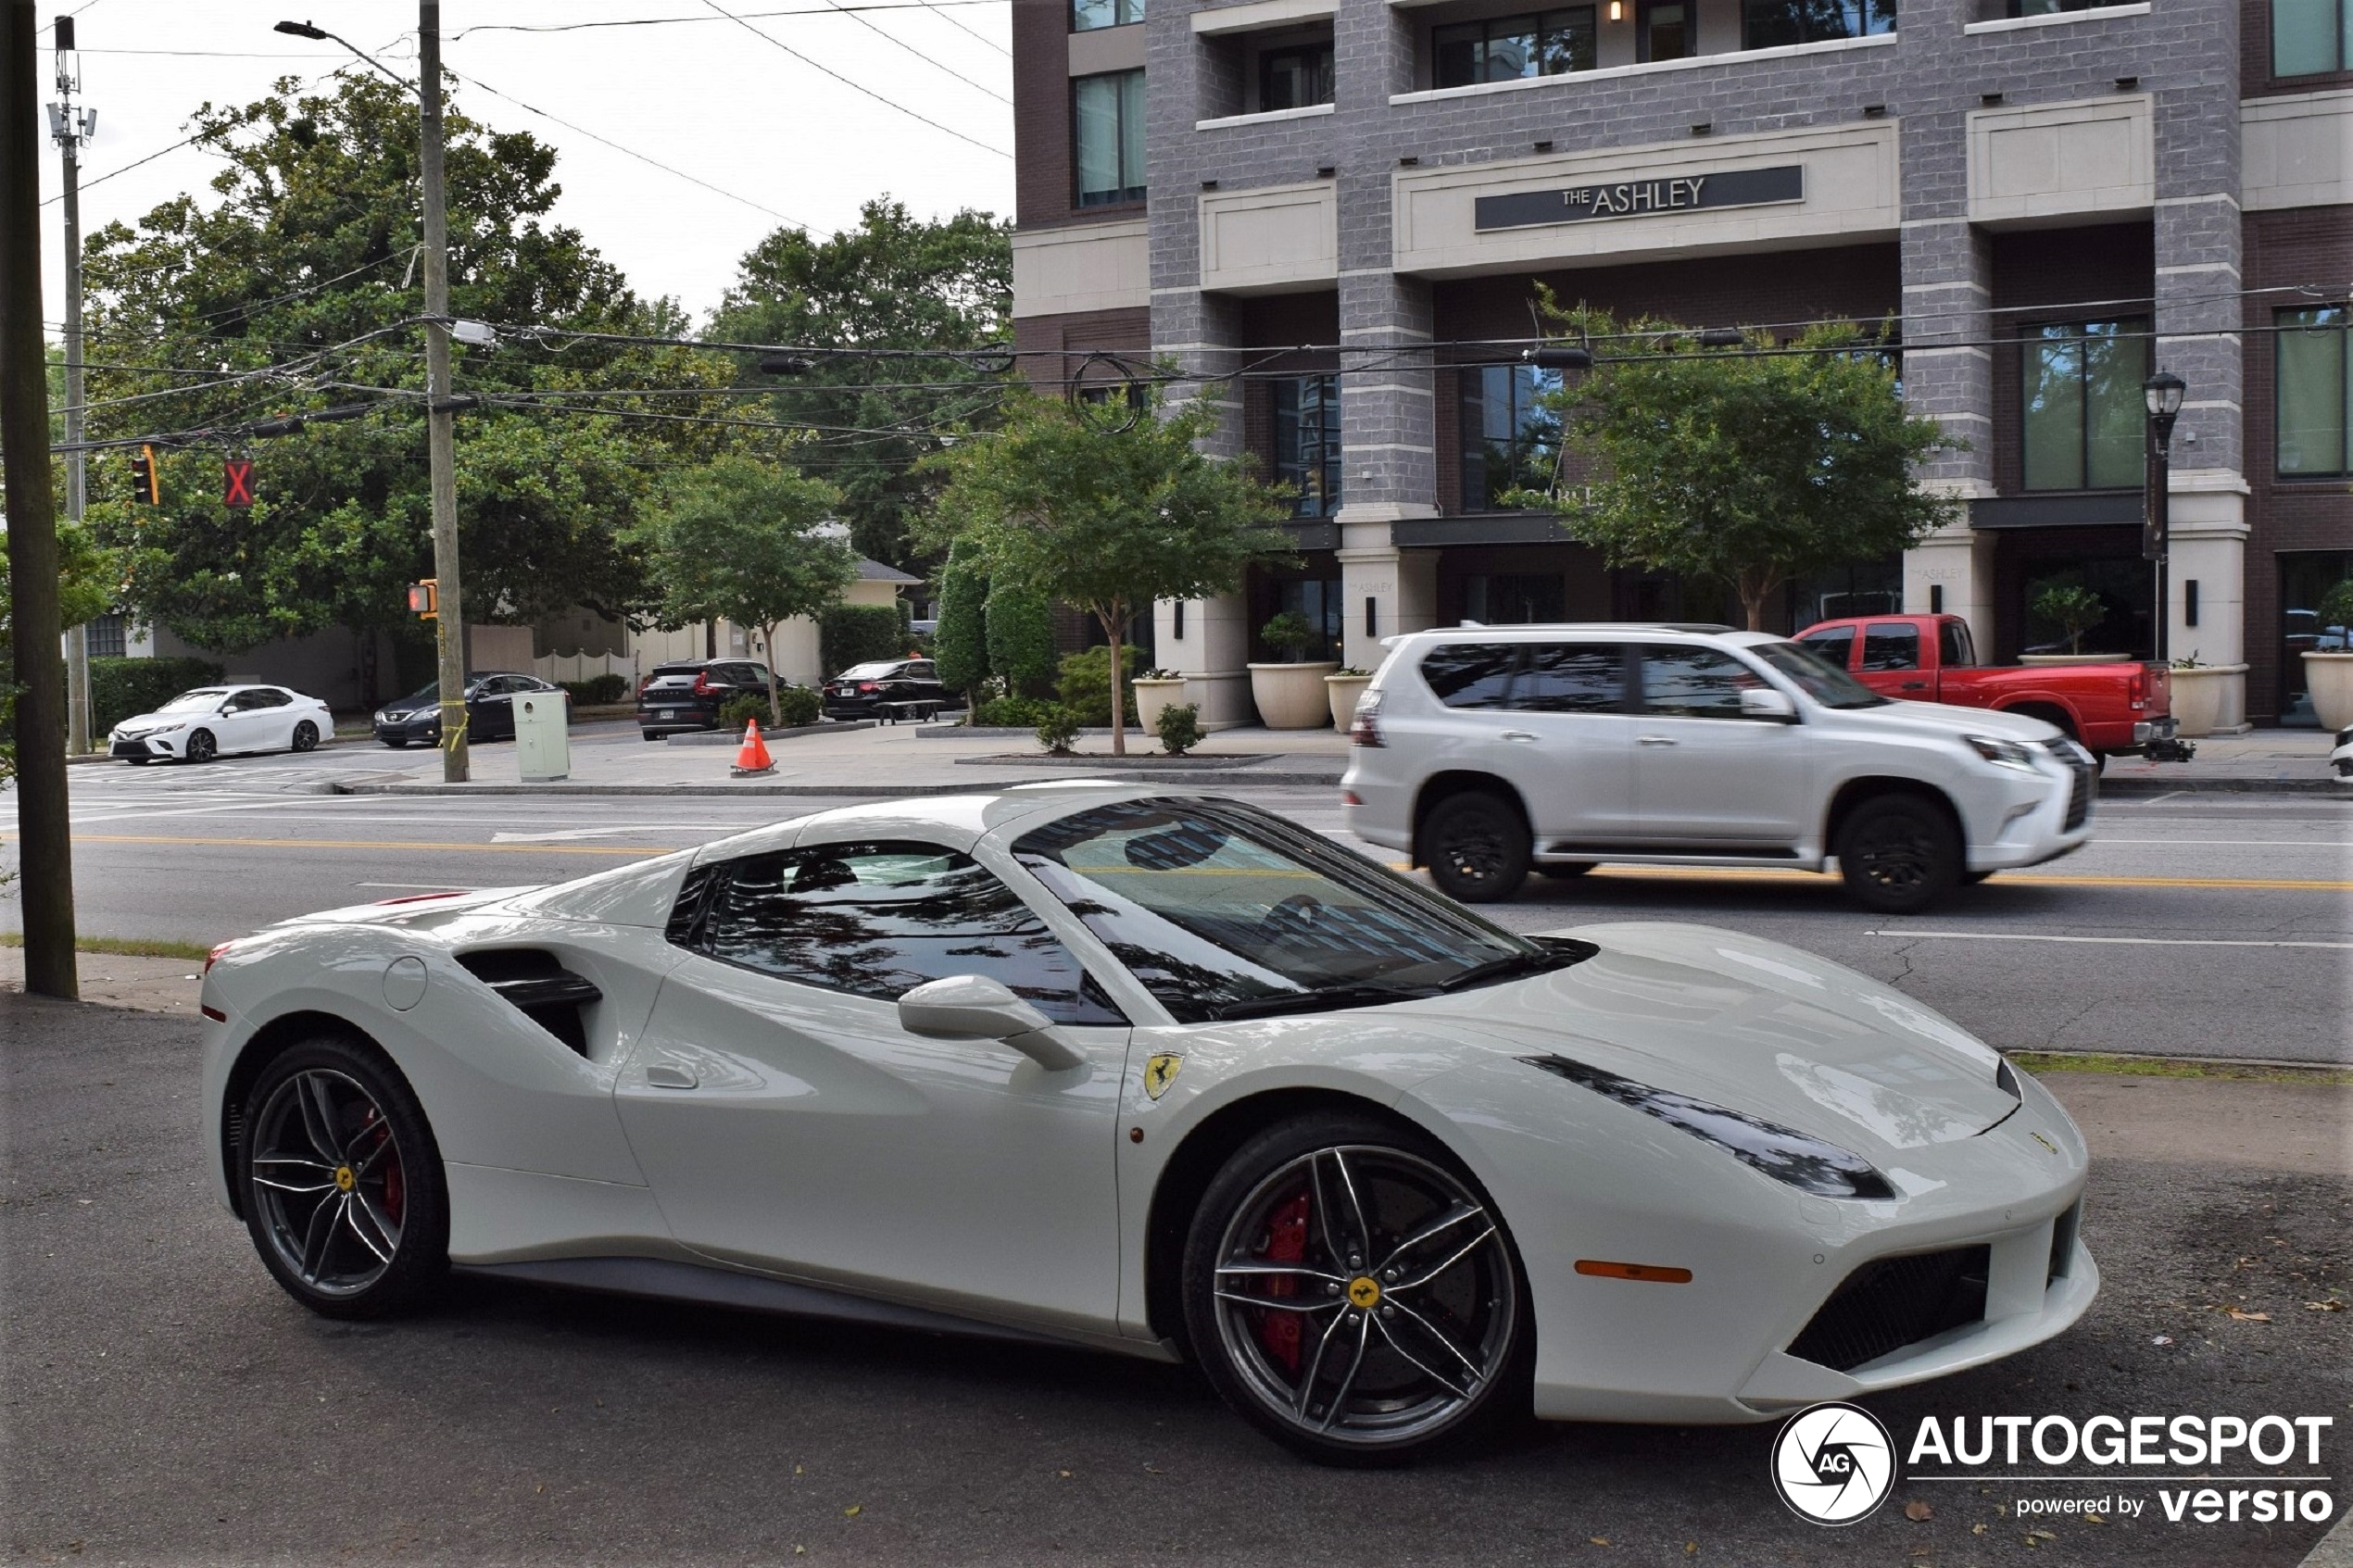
1159 1073
1833 1463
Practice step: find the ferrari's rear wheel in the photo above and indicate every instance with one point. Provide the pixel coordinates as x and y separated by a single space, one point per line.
341 1184
1354 1296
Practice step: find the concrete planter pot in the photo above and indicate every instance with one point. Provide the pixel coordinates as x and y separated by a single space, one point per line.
2329 677
2072 658
1291 696
1344 691
2209 697
1152 695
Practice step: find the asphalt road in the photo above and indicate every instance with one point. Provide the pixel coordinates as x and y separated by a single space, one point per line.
162 1401
2198 925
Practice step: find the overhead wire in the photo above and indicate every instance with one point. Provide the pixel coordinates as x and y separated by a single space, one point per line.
854 85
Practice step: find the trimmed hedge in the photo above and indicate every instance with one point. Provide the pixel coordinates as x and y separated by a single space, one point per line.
1011 712
597 690
1021 639
121 687
961 644
849 634
1086 685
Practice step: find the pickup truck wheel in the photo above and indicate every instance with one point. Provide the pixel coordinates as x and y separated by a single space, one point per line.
1477 847
1898 854
1565 871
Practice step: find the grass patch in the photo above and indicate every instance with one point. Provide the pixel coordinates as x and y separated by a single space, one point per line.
2175 1067
124 946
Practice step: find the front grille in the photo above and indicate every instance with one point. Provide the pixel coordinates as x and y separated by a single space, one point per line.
129 748
2079 795
1892 1302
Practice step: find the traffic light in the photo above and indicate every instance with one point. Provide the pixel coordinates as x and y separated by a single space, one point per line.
146 479
424 599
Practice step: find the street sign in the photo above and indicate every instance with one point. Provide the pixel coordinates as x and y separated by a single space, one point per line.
237 481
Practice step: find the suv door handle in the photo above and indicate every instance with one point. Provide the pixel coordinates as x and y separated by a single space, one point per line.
1655 740
1914 686
1519 735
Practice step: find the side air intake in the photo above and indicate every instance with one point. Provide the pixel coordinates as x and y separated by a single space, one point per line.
546 992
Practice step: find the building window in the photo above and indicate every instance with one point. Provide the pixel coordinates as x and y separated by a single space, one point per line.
1109 115
1767 24
1296 77
2055 8
2316 392
1515 598
1504 48
104 636
1510 440
1307 443
1088 14
2083 412
2311 36
1665 30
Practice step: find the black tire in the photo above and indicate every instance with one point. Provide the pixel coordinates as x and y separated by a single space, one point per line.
306 736
1384 1182
652 735
1476 846
363 1237
138 761
201 747
1566 870
1898 853
396 744
1970 879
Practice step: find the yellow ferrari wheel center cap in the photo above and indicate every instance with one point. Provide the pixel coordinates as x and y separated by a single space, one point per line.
1364 1292
346 1179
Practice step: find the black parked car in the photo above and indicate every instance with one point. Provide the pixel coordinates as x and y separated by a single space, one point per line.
858 691
687 694
490 711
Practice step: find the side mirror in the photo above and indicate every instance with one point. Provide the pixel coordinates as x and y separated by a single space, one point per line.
973 1006
1768 702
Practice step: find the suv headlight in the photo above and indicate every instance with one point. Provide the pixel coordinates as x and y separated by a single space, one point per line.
1795 1159
2001 753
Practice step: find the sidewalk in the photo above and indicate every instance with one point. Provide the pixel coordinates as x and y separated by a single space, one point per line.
938 760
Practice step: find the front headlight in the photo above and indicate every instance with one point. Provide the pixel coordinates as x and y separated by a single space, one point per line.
2001 753
167 729
1796 1158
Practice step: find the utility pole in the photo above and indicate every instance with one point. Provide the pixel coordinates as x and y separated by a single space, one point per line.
441 436
44 830
70 128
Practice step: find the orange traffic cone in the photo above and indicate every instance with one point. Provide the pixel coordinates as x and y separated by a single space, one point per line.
753 758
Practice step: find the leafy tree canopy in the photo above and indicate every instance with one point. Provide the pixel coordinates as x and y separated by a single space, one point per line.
893 283
1748 468
1107 508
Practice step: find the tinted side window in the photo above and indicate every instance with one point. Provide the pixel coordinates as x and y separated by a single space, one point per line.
1570 678
1694 682
1836 645
878 919
1892 647
1470 675
1954 649
268 696
921 672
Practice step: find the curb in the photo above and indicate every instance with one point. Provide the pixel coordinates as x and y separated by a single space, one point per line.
842 791
2108 787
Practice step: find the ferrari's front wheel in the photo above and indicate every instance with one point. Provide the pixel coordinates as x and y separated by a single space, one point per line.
1353 1295
342 1182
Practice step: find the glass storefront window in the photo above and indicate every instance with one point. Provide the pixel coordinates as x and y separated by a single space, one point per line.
1307 443
2126 588
2316 392
1766 24
1510 440
2083 414
1316 600
2309 37
2306 577
1515 598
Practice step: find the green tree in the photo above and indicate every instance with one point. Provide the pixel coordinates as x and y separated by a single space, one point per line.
1107 510
307 258
1749 468
1021 638
961 644
892 283
737 539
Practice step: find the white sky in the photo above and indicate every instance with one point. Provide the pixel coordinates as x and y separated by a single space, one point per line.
705 97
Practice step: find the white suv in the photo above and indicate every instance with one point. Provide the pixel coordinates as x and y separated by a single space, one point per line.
1483 751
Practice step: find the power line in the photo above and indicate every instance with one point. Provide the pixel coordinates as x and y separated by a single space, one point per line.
665 21
847 81
938 65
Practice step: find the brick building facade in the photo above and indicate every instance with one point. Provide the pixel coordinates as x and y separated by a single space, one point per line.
1311 205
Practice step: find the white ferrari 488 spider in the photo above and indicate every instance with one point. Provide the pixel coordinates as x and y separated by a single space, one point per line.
1157 1074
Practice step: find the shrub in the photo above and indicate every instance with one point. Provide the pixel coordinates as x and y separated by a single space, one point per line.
1179 728
121 687
1010 712
800 706
598 690
1086 683
735 710
1058 729
2073 608
961 644
849 634
2336 605
1021 639
1289 634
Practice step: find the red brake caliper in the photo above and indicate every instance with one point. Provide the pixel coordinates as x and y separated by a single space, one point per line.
1286 1243
392 1171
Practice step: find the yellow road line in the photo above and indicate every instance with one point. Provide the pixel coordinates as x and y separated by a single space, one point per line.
628 849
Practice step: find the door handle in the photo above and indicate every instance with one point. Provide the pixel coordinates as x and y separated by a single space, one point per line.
1519 735
1915 686
663 1076
1655 740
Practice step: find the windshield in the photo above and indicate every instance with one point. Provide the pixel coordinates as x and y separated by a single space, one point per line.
202 697
1222 910
866 671
1823 681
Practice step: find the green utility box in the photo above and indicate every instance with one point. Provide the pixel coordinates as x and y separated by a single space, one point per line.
543 736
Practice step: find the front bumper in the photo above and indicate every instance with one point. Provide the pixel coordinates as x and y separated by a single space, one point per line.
146 747
2045 815
413 731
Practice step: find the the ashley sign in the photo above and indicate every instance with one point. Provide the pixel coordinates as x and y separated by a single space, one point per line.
1640 198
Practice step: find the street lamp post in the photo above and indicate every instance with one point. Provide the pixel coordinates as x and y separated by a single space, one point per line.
2163 394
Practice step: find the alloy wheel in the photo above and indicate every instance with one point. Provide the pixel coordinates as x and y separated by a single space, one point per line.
202 747
327 1178
1365 1295
305 735
1896 853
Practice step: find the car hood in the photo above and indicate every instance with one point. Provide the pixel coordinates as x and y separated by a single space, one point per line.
149 720
1753 1026
1944 719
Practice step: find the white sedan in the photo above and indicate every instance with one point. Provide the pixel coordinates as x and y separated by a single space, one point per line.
210 722
1162 1075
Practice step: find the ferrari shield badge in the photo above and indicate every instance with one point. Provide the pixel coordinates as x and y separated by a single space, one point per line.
1160 1071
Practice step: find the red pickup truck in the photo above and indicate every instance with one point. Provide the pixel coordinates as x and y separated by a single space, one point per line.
2106 708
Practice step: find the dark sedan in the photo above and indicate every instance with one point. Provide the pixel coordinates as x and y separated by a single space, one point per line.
490 711
861 689
687 694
